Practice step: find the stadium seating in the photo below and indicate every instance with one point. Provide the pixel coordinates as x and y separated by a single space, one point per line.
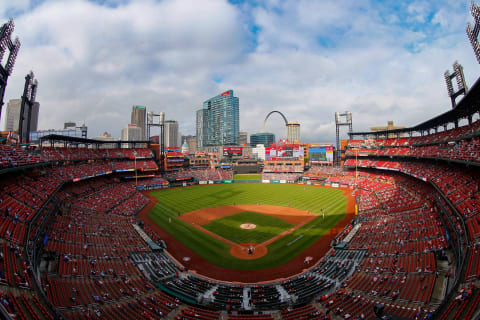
95 265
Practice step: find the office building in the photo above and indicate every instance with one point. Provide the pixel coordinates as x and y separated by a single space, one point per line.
12 117
69 125
263 138
258 151
192 144
171 134
131 133
138 117
390 126
219 122
293 131
243 138
106 137
201 126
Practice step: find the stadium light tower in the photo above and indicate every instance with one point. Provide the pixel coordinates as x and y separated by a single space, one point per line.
338 123
6 44
28 100
472 32
461 84
151 122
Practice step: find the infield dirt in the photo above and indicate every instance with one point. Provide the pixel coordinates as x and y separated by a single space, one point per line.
295 266
201 217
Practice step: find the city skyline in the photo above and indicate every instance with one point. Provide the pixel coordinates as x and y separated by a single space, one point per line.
307 59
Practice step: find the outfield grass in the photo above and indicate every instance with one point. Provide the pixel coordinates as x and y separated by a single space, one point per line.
267 227
180 200
255 177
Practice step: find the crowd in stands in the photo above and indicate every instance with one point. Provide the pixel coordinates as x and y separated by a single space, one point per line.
324 170
462 143
72 154
16 156
281 176
452 187
93 251
459 184
99 267
200 174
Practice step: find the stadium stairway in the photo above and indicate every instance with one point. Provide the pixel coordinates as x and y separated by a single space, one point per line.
353 232
175 312
208 295
284 296
246 299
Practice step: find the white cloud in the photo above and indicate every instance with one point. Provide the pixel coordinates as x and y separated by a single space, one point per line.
307 59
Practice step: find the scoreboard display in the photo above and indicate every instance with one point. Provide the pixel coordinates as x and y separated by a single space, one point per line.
229 152
282 152
322 154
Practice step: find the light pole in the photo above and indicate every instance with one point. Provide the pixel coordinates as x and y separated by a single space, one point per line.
135 161
356 168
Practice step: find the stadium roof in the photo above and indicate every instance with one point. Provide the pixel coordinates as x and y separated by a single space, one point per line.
469 105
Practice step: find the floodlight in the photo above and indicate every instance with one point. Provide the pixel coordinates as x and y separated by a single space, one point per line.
161 120
460 79
13 56
475 11
34 90
458 69
9 28
472 32
6 44
449 83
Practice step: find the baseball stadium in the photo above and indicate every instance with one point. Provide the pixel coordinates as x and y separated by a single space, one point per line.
390 229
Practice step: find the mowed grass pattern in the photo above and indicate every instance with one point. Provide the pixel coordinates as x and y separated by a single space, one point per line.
181 200
173 202
267 227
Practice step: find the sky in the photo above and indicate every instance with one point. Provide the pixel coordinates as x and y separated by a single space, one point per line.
381 60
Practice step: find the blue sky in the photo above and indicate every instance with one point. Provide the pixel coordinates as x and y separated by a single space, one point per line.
381 60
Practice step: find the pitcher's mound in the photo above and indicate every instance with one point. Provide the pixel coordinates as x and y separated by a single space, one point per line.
248 251
248 226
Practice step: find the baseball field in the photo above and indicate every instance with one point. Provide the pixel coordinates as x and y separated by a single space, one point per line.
248 226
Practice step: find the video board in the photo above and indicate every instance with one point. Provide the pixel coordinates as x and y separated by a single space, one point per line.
284 151
320 154
229 152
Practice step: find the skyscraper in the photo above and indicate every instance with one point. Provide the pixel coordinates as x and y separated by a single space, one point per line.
139 114
293 131
243 138
13 116
131 133
222 120
171 133
192 144
264 138
201 132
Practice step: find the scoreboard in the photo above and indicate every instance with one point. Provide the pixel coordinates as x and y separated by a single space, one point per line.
320 154
235 151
